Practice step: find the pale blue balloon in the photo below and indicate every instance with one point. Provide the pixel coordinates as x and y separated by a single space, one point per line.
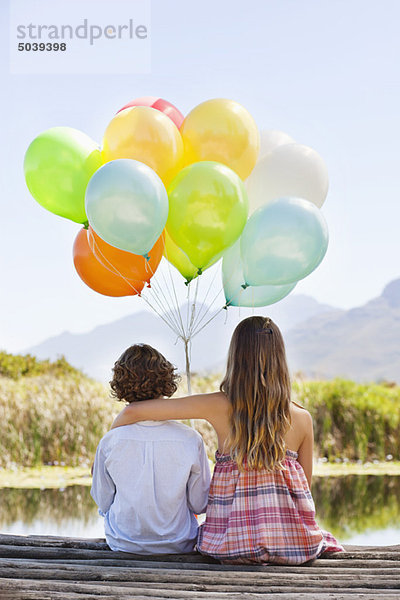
283 242
127 205
233 280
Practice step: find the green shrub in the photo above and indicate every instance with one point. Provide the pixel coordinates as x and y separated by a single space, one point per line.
15 366
352 420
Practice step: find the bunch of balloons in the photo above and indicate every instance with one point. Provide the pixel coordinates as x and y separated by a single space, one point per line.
192 189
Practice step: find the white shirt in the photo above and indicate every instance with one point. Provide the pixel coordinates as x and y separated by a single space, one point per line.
148 481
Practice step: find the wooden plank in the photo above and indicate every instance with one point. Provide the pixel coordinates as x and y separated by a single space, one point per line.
383 563
102 551
360 555
9 551
123 590
52 595
54 541
165 570
392 568
59 553
168 579
119 591
100 544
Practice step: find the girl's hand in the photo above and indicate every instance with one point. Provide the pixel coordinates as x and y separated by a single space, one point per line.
126 416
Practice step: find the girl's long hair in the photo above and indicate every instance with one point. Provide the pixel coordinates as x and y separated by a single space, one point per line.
257 383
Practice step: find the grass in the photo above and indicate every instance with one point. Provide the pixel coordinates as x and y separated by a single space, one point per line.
45 477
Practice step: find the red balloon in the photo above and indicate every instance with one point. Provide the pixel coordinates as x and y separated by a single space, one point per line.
159 104
96 276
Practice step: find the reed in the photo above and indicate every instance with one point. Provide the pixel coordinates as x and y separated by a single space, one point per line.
47 419
50 413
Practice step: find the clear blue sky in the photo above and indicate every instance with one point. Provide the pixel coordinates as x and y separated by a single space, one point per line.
324 71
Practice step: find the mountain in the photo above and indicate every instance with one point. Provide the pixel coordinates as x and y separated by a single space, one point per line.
95 352
361 343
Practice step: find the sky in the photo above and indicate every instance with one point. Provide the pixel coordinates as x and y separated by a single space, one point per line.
323 71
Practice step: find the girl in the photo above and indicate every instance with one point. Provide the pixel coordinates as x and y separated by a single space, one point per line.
260 508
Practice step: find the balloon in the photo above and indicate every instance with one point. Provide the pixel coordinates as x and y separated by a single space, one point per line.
159 104
291 170
233 280
181 262
283 242
58 165
179 259
96 276
271 139
131 266
223 131
207 211
147 135
127 205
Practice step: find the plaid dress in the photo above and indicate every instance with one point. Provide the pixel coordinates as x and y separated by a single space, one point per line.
262 516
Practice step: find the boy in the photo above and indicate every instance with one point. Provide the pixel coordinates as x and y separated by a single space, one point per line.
151 477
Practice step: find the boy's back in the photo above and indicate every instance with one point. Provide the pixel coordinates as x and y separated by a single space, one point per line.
148 480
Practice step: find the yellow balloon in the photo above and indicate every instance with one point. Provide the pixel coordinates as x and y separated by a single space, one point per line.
147 135
223 131
179 259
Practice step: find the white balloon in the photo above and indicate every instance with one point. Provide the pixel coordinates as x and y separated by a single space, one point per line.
271 139
291 170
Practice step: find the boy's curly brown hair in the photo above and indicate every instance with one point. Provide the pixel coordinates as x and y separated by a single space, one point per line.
143 373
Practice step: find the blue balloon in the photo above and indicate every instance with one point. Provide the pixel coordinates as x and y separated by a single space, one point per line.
283 242
233 282
127 205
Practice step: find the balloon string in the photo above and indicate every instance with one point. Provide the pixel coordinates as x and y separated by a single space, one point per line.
170 323
189 287
167 314
192 316
157 291
198 323
160 289
203 306
173 308
185 333
207 322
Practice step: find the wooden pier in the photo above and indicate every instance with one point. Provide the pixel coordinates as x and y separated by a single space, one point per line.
47 568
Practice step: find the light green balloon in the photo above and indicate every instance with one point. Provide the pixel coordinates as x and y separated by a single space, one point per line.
233 282
207 210
283 242
58 165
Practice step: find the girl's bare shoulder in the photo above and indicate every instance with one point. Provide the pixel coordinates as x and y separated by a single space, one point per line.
217 399
300 416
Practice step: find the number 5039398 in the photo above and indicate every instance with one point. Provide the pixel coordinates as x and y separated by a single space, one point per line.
42 47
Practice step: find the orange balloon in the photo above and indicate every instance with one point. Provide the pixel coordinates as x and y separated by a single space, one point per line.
96 276
132 266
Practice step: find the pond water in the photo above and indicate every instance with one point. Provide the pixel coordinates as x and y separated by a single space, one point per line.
357 509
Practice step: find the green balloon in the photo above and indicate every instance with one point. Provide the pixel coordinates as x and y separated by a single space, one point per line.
208 209
58 165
